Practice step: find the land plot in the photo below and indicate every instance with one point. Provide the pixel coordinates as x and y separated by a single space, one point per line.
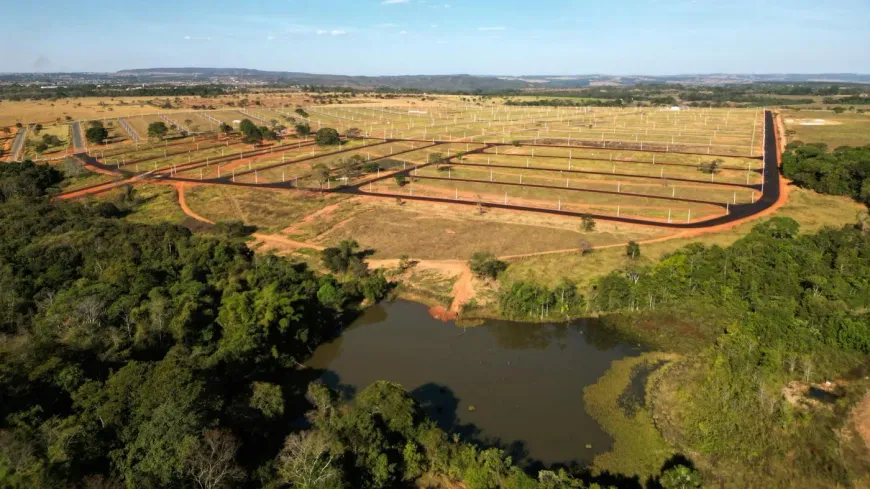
425 230
270 210
581 202
606 183
663 171
302 170
60 131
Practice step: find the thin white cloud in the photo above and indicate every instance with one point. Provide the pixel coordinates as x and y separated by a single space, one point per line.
334 32
495 28
393 2
386 25
402 33
196 38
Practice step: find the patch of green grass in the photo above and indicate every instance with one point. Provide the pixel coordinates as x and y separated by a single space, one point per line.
638 447
159 204
840 129
271 211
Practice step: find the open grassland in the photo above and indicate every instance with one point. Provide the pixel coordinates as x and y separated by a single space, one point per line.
441 231
822 126
157 204
269 211
89 108
84 179
812 210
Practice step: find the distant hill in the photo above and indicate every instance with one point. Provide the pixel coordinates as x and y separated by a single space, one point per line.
473 82
424 83
420 82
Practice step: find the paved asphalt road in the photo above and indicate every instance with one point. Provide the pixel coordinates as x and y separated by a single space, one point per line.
78 144
18 145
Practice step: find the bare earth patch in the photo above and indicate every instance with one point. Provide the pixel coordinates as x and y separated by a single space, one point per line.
813 122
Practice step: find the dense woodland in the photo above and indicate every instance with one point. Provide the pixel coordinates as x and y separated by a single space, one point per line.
150 357
844 171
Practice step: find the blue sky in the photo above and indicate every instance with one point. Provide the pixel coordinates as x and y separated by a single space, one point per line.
396 37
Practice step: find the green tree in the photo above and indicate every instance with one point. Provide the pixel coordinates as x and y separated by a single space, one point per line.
321 173
96 135
632 250
303 129
338 259
713 166
157 130
486 266
51 140
327 136
250 132
375 287
267 398
680 477
435 158
587 223
371 166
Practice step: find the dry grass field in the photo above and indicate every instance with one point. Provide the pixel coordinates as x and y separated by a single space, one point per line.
825 126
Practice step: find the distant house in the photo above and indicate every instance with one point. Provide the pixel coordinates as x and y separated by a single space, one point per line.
237 122
675 109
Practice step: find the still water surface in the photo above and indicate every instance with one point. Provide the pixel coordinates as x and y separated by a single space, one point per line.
523 382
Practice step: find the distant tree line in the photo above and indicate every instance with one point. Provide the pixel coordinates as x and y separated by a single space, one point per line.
16 92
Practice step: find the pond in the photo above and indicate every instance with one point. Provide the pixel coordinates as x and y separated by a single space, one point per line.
509 384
